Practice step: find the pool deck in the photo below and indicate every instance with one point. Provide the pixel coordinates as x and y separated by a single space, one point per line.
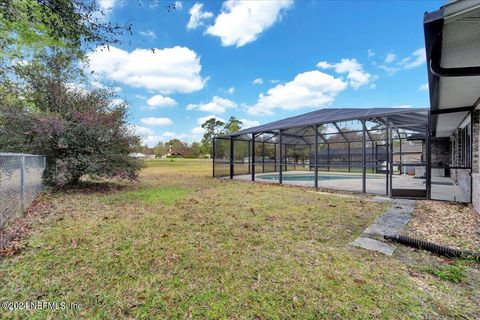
442 188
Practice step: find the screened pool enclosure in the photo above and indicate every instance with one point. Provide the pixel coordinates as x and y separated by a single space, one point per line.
377 150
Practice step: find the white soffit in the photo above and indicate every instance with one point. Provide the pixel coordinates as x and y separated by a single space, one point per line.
458 92
458 8
461 42
447 123
460 48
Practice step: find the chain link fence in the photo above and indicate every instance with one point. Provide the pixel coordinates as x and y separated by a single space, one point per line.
20 182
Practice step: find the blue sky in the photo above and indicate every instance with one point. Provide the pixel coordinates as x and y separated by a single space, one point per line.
261 60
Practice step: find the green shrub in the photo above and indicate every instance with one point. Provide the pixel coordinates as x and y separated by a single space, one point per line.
87 137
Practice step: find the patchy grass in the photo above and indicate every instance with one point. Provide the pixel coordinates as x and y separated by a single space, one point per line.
179 244
149 196
198 167
454 272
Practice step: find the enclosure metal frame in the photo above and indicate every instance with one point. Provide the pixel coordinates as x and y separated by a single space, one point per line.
415 120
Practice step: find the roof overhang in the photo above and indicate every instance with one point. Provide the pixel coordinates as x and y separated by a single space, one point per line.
452 43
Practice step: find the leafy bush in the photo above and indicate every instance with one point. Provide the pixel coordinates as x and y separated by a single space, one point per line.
88 137
47 105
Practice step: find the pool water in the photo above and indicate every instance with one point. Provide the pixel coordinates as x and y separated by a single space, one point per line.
311 177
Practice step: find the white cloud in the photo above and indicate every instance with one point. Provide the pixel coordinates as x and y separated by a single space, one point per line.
370 53
166 70
390 57
117 102
417 58
150 138
166 136
389 69
151 141
152 121
98 84
258 81
161 101
311 89
105 9
249 123
356 76
230 90
197 130
197 16
146 134
423 87
106 5
218 105
141 131
148 33
274 81
329 129
76 87
242 21
196 134
185 137
178 5
202 120
169 134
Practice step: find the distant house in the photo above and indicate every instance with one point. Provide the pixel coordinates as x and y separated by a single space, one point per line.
137 155
171 154
140 155
175 154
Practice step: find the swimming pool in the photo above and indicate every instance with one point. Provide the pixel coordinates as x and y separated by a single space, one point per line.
311 177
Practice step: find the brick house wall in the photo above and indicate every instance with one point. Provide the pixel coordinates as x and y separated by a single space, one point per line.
466 180
441 152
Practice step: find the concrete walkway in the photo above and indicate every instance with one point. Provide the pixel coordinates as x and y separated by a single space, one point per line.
393 221
442 188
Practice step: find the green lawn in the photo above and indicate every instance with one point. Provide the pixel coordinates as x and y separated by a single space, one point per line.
180 244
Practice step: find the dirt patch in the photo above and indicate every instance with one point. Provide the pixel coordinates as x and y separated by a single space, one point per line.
449 224
19 227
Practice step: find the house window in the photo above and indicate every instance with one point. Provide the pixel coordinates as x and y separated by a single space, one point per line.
468 146
462 147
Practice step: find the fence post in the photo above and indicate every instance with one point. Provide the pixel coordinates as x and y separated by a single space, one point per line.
22 182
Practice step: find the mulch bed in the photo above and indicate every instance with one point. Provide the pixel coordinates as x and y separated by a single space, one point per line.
450 224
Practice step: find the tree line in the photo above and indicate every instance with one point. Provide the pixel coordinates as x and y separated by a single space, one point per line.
212 127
